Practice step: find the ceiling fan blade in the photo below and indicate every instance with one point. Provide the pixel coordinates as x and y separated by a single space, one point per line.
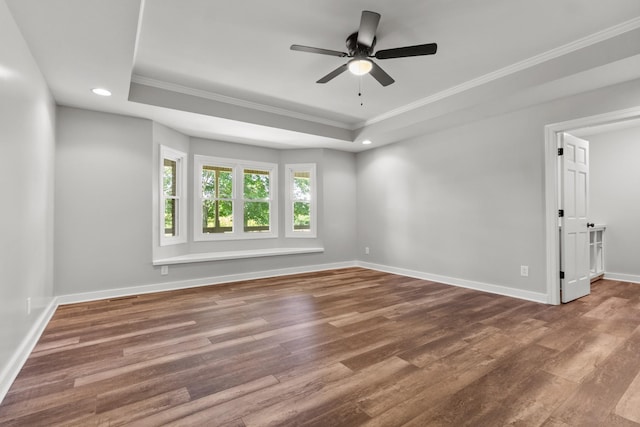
318 50
368 26
341 69
380 75
403 52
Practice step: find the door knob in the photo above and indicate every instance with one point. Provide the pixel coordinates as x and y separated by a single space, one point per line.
590 224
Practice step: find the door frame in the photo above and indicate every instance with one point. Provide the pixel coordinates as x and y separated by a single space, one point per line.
552 181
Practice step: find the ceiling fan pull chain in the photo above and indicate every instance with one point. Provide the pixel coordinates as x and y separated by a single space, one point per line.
360 90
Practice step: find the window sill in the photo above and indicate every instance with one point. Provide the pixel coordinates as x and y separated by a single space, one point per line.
221 256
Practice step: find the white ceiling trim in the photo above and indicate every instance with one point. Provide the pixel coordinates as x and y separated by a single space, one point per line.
138 30
159 84
587 41
628 114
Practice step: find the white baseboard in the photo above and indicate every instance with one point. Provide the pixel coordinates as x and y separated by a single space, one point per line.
194 283
478 286
19 357
622 277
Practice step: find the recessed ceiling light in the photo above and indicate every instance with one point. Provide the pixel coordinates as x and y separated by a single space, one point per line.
366 142
100 91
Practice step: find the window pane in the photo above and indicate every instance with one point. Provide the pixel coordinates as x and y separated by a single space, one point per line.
217 182
225 183
302 186
256 216
301 216
208 182
256 184
170 217
217 216
169 178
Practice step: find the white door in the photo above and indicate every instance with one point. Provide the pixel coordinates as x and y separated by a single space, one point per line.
574 236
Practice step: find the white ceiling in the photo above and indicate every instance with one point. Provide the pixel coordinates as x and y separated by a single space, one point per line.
223 70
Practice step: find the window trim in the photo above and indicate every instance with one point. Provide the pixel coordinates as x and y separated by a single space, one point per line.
238 166
181 192
290 232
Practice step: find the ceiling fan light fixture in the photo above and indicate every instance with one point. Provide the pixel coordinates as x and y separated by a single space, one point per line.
360 66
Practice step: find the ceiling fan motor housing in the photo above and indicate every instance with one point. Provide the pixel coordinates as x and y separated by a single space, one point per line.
358 50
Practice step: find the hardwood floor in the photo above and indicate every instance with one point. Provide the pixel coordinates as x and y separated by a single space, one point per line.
339 348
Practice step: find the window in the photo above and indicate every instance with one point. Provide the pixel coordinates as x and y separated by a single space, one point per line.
257 203
217 199
173 181
300 214
234 199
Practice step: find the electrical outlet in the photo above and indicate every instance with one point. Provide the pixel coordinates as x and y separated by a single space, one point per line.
164 270
524 270
366 250
29 305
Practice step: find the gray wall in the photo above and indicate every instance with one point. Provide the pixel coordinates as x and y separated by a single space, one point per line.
338 222
469 202
27 120
103 201
105 179
615 196
452 203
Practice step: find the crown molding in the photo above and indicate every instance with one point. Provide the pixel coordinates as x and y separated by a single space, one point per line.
159 84
587 41
138 31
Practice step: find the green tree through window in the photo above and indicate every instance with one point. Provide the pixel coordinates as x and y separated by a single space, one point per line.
301 210
235 199
169 191
172 204
301 200
256 191
217 194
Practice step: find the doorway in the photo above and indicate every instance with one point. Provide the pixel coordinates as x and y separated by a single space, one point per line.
552 181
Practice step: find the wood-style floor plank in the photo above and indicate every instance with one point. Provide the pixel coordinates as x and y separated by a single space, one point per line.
344 347
597 395
629 405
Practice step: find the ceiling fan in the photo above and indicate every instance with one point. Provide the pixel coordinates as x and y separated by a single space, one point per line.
360 46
